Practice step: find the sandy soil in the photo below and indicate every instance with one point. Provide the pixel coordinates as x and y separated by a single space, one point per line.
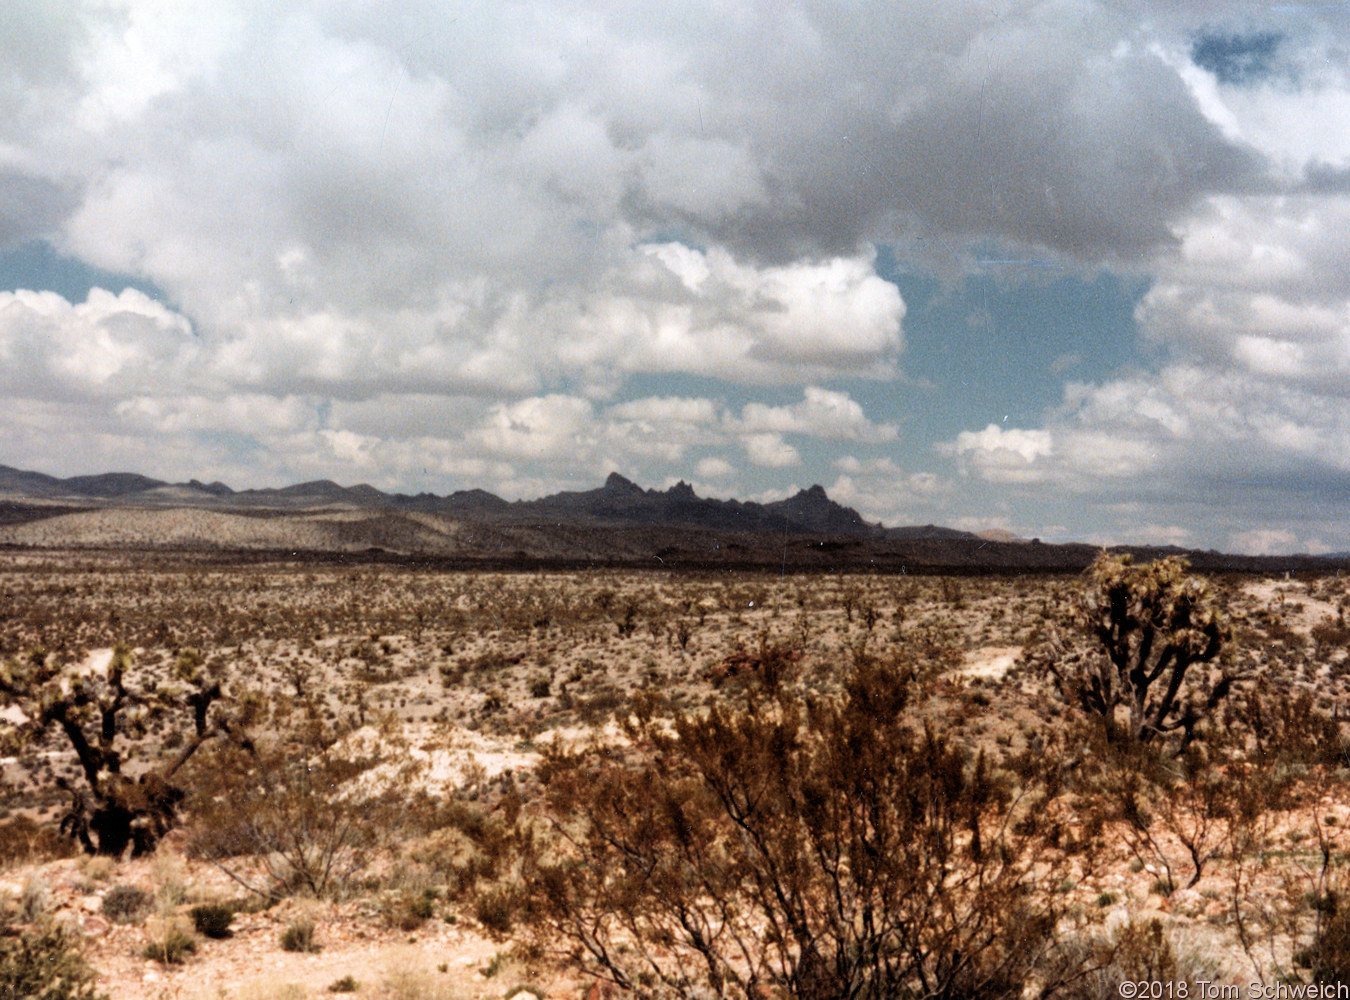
466 677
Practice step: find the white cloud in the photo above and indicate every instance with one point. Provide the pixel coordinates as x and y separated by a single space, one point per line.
882 491
108 345
418 244
536 428
1266 541
770 451
671 308
1004 456
822 414
356 204
667 409
714 468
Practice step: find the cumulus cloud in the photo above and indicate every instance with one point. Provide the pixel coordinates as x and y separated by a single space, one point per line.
882 491
536 428
671 308
714 468
419 245
1004 455
770 451
821 413
109 345
429 196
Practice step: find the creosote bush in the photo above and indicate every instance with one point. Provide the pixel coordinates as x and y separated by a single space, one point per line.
823 846
288 809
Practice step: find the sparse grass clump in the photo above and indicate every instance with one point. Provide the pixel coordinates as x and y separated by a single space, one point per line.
212 919
299 937
172 948
495 910
127 904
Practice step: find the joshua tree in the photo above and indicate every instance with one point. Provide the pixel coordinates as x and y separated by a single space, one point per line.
1152 624
98 712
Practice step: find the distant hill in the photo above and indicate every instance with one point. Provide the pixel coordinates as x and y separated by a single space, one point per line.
618 523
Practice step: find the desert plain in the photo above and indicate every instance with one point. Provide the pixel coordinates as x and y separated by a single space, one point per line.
444 690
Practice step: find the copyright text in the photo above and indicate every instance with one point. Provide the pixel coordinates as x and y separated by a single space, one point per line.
1203 989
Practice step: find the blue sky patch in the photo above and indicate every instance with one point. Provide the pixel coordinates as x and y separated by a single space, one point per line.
38 267
1238 59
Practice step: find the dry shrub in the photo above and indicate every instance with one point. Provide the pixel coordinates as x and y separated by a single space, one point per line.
1176 810
826 847
23 840
212 919
1144 951
127 904
294 814
170 942
1327 957
465 846
299 936
46 964
1287 726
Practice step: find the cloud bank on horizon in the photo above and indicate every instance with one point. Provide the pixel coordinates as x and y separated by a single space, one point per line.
1074 269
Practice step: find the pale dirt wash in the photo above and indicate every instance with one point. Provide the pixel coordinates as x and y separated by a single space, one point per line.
1281 595
445 758
991 661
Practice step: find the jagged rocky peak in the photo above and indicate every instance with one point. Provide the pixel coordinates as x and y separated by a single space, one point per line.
682 490
814 497
615 483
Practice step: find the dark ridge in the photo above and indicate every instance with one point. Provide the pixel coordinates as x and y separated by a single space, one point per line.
615 483
813 510
618 524
217 489
928 531
23 513
112 484
32 484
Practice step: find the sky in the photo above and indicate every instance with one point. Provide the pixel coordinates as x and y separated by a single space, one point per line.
1073 270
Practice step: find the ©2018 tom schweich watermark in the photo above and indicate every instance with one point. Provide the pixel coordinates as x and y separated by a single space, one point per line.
1203 989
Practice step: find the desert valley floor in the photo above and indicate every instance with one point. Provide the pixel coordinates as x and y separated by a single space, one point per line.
451 687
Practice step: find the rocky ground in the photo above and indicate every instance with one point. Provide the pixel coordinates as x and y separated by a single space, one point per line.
469 676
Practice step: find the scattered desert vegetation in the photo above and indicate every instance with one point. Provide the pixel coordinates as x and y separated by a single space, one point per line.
294 780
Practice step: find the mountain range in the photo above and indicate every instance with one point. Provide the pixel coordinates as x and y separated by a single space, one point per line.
617 523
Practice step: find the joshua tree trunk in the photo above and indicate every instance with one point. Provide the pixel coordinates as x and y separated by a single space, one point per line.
111 812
